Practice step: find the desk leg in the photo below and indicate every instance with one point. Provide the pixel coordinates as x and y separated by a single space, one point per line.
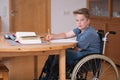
62 65
35 67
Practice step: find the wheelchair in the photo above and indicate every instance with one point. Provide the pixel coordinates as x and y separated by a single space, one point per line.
90 67
95 66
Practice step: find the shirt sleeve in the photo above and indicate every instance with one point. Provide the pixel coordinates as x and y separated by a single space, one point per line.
83 39
76 31
83 42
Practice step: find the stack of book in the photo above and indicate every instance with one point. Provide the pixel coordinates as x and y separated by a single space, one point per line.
27 38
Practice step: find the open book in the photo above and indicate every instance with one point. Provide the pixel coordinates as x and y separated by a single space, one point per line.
27 38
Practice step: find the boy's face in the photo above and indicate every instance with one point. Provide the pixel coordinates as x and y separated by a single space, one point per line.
81 21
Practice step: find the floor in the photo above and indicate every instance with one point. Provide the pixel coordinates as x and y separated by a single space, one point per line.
110 77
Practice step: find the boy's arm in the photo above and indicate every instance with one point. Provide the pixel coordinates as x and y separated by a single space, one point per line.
60 35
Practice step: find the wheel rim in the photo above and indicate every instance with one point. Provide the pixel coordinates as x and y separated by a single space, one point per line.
83 71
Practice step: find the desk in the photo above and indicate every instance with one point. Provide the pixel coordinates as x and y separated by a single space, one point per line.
6 50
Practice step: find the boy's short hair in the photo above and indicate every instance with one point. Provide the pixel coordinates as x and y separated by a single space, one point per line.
83 11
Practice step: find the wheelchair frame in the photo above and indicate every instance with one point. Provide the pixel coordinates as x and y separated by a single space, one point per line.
90 67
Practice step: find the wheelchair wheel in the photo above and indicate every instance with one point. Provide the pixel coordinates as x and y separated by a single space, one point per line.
95 67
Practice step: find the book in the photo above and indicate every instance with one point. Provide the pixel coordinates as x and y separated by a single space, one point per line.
28 38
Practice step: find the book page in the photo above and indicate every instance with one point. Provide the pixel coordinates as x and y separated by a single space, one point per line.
30 40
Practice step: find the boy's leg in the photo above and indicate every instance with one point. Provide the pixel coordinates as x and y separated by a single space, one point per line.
50 69
46 69
53 75
72 55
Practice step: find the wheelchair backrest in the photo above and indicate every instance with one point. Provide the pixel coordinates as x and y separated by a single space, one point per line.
101 35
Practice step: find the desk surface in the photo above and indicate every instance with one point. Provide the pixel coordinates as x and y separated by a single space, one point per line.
6 47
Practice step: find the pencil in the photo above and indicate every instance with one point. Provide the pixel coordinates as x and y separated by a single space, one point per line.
49 31
48 34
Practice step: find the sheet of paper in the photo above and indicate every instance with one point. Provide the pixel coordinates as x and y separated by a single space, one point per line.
63 41
30 41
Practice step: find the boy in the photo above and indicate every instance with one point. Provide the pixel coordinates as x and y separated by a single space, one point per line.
87 37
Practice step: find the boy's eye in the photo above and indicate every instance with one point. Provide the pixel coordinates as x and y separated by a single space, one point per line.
79 20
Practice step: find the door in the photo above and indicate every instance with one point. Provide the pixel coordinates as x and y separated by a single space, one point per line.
27 15
30 15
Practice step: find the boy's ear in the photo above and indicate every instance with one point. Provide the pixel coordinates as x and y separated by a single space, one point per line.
88 21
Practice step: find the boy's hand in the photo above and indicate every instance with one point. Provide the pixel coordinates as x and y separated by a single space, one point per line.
77 49
49 37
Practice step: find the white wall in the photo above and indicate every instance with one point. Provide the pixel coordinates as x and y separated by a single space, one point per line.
4 13
62 18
